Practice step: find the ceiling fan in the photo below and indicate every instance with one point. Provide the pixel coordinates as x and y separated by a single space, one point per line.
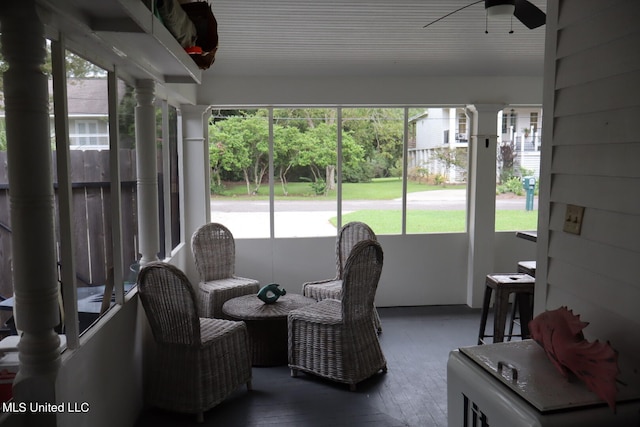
525 11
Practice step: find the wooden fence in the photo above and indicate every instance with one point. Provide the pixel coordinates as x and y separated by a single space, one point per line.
91 194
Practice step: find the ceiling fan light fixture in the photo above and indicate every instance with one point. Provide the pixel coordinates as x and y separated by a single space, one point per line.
523 10
501 11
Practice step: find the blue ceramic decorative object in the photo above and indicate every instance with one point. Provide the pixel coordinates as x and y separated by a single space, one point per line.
270 293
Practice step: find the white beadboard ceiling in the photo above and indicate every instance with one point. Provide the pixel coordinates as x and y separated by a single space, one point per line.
371 38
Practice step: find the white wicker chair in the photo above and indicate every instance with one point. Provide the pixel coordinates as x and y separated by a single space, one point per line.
350 234
334 339
214 251
196 362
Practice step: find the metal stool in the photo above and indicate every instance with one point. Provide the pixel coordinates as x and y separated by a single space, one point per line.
527 267
522 286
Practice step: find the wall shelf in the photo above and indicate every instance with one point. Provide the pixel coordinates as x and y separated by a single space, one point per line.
124 34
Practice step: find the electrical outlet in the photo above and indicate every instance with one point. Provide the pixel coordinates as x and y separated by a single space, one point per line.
573 219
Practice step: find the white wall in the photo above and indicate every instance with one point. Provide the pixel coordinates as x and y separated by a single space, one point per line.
419 269
106 371
430 129
448 265
590 158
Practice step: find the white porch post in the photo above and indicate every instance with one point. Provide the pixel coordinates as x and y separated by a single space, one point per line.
32 206
482 199
147 170
197 196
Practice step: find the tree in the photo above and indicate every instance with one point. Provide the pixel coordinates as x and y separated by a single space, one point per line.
240 143
506 160
286 147
380 132
318 152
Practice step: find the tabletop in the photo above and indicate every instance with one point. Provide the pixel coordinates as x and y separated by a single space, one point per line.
250 307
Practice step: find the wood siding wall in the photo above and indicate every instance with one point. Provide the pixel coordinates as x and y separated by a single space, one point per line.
593 62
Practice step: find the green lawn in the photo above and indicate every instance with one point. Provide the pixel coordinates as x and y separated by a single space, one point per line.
389 222
378 189
386 221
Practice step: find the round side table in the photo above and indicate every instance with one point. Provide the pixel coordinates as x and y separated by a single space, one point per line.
266 324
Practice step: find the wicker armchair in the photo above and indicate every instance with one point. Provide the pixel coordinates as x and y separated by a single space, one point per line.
196 362
334 339
350 234
214 251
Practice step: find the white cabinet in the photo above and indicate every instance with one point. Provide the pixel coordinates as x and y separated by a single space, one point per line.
513 384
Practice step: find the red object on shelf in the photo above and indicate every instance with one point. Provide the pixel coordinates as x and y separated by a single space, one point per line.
206 25
193 50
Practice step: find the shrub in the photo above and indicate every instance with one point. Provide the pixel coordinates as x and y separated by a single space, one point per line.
439 179
319 186
418 174
512 185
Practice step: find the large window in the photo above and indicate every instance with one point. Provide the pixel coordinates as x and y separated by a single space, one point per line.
168 180
437 170
239 160
92 185
372 167
128 182
305 153
518 166
100 222
335 165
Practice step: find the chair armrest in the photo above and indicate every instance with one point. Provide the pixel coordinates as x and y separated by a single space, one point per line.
318 282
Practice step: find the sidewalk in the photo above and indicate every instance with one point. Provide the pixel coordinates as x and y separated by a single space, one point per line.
437 195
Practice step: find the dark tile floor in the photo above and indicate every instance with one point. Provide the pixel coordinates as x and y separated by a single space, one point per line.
416 342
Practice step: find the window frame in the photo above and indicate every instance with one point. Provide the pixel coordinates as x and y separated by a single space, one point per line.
455 121
83 138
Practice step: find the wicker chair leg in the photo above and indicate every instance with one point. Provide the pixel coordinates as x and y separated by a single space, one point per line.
249 386
384 369
376 321
200 417
294 373
352 387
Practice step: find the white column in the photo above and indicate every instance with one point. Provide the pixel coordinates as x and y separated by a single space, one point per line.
196 192
32 205
147 170
482 199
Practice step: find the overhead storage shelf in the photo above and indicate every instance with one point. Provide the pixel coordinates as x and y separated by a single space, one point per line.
126 33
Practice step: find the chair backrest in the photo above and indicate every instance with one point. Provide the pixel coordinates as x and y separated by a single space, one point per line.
169 302
362 273
214 251
350 234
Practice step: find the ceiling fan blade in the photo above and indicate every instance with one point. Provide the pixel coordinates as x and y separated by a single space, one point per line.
529 14
449 14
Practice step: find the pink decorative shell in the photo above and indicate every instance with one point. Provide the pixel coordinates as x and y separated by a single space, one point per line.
559 332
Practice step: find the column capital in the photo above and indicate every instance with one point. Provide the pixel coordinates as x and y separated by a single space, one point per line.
145 92
189 110
485 108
